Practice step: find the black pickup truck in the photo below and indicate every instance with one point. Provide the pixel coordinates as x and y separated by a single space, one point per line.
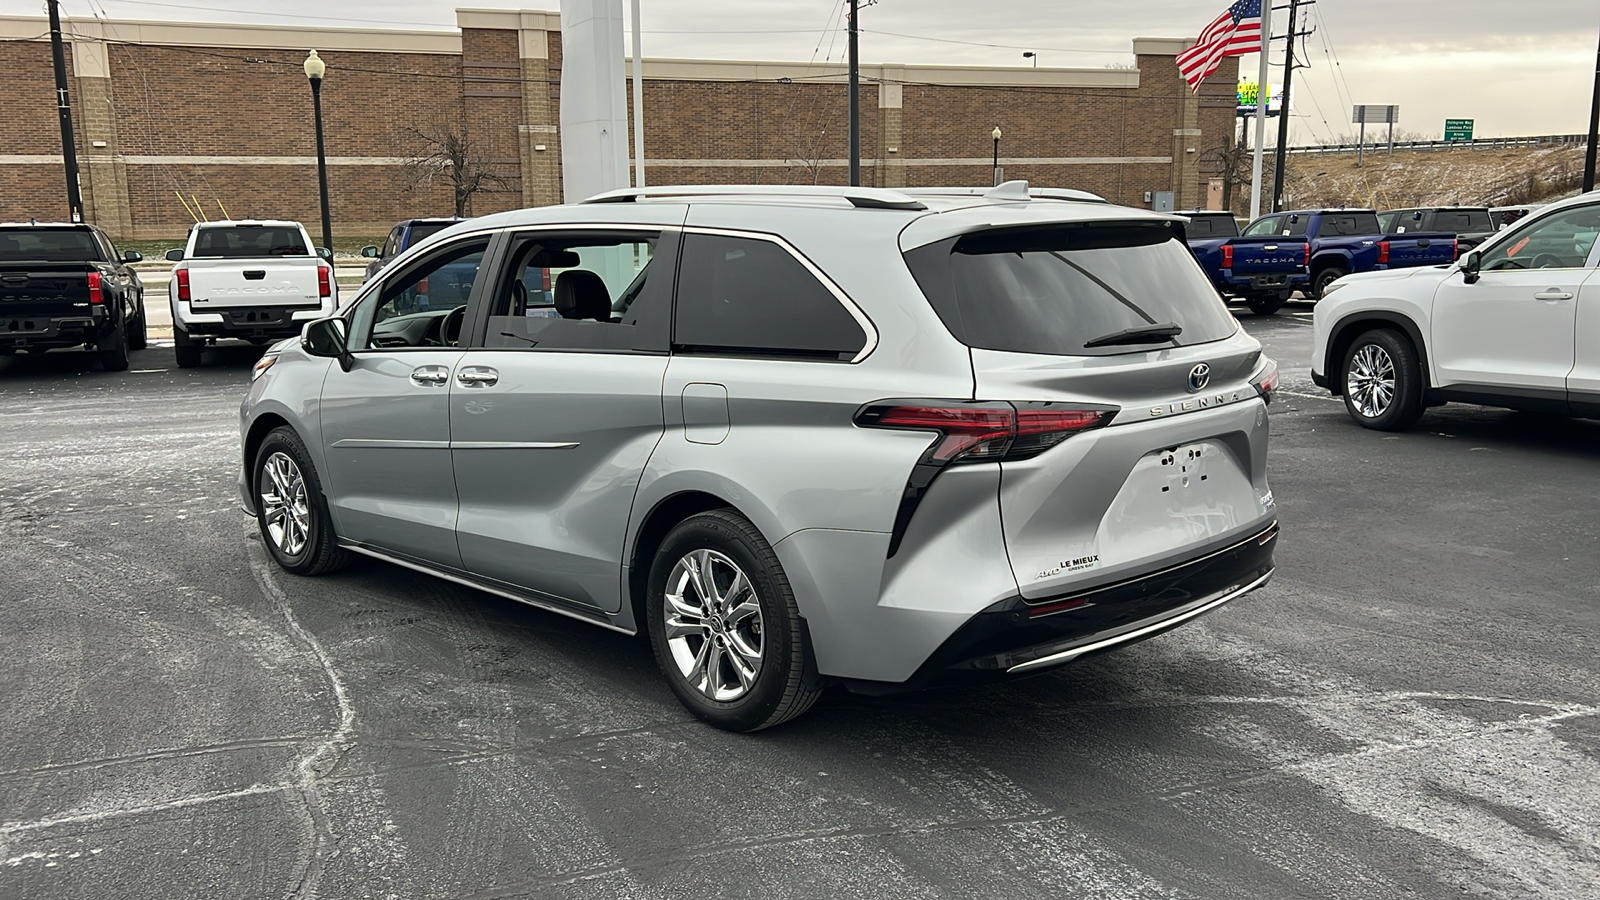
66 286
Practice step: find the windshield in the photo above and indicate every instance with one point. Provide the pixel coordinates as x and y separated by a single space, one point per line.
1057 289
249 241
47 245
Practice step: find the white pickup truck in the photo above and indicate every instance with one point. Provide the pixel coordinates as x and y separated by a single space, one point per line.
253 280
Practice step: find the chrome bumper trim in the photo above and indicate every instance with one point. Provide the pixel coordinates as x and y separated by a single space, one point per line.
1158 624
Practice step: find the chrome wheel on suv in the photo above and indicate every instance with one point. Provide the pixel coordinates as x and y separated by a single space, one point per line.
713 620
1383 381
724 625
1370 381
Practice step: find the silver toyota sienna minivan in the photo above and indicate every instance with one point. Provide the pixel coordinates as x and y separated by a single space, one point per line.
799 436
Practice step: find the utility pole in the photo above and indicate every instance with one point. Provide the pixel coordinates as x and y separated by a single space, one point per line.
1594 129
1283 110
69 151
855 100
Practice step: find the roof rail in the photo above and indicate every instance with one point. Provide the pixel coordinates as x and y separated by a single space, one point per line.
1034 193
862 197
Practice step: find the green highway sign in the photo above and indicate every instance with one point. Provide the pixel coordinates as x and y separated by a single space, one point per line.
1458 129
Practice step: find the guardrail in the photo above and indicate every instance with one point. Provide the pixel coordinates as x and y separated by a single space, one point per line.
1480 143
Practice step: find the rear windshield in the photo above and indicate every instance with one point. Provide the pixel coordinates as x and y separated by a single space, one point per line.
47 245
1212 227
1462 220
1054 290
250 241
424 230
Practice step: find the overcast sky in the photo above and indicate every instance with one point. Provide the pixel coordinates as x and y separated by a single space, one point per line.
1518 67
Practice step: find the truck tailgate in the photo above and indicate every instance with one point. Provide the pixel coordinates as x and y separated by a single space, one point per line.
1408 251
40 289
1268 256
230 283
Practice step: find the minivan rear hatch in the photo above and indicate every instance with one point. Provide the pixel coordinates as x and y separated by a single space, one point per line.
1111 315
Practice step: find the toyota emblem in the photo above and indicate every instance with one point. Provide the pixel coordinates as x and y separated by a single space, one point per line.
1199 377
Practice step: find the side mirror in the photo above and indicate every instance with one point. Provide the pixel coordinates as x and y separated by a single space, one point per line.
369 251
1470 266
325 253
327 338
175 255
132 256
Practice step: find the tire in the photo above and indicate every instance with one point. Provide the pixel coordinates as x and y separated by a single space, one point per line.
1382 381
187 350
113 350
1266 304
1324 278
137 333
290 507
760 626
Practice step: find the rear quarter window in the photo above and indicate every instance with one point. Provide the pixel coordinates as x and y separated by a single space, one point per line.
748 296
1053 290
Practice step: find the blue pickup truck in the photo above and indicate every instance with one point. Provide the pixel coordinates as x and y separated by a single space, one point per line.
1262 271
1344 241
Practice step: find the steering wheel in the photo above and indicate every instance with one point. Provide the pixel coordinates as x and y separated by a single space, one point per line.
450 326
1549 261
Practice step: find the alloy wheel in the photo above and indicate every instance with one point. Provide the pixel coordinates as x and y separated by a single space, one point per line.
285 506
1371 381
713 625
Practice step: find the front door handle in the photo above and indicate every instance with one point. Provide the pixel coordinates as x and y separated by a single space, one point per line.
476 376
1553 294
430 376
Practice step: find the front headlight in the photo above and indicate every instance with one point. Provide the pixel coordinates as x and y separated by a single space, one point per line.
1341 283
262 365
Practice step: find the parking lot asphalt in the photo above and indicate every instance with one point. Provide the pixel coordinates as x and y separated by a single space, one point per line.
1410 709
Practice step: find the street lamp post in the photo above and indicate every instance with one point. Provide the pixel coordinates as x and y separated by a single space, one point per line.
996 135
315 69
1029 54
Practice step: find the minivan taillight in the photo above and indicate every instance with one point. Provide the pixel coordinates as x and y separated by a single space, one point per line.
972 432
1383 253
97 288
984 432
1266 378
1227 256
182 274
324 280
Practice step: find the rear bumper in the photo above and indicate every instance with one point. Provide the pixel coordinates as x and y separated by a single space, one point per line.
250 321
1015 638
21 331
1277 281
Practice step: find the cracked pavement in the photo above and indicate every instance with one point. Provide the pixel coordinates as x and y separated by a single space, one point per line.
1411 708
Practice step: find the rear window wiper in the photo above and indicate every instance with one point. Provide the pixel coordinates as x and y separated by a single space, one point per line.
1145 334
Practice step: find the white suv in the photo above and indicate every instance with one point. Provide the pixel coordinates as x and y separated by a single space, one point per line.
1515 323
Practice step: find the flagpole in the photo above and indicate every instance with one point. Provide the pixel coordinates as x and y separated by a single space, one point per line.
1263 93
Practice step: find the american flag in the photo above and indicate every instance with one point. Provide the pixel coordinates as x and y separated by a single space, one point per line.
1234 33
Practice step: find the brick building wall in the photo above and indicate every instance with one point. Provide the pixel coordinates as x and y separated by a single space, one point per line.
175 116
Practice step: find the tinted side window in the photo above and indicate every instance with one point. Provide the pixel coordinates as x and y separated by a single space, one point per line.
1295 226
746 295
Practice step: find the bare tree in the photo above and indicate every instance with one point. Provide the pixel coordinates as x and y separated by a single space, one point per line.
450 156
1232 163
